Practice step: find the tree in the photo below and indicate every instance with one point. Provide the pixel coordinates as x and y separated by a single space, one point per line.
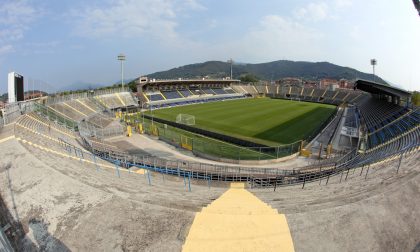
248 78
133 86
415 98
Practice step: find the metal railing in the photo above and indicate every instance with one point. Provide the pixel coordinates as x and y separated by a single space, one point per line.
88 129
13 111
256 177
215 149
55 117
4 242
58 98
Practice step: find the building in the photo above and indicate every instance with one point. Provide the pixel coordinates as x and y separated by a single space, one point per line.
325 83
343 83
33 95
15 87
290 81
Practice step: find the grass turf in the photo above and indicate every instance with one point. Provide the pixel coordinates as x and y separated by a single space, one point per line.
266 121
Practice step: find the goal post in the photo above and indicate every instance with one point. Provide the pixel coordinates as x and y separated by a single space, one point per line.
185 119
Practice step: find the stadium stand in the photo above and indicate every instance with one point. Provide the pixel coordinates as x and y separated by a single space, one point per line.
352 193
307 93
87 113
155 97
95 100
172 94
208 91
388 121
340 95
322 95
218 91
88 187
186 92
400 127
197 91
295 92
391 130
271 89
229 90
169 93
81 178
261 89
117 100
246 89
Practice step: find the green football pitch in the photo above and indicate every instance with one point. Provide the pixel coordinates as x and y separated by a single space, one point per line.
261 120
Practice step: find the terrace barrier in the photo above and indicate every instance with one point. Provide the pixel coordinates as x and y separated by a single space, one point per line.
255 177
218 149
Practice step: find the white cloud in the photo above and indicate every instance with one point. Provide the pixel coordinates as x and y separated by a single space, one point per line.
133 19
212 23
15 18
8 35
313 12
193 4
355 33
272 38
343 3
16 13
5 49
47 47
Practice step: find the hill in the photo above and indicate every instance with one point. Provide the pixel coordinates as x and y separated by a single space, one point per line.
266 71
5 96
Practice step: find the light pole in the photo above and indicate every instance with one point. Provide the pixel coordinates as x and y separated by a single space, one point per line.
121 58
231 63
373 62
142 111
151 110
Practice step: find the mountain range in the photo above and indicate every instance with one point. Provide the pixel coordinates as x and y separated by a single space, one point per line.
265 71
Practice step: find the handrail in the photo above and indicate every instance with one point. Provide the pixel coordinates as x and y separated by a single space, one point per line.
227 173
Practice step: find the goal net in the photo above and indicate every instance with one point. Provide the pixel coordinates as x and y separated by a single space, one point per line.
185 119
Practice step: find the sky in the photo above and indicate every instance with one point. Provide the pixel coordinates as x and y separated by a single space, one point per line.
58 44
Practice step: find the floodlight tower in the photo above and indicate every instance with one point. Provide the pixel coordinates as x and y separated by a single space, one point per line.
121 58
230 61
373 62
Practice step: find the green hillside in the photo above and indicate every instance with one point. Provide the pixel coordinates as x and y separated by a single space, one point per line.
266 71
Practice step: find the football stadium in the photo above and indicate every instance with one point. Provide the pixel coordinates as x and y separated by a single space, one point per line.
214 156
207 152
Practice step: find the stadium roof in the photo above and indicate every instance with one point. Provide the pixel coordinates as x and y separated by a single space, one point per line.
379 88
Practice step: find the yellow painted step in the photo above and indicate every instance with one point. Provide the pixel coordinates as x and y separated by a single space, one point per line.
239 221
